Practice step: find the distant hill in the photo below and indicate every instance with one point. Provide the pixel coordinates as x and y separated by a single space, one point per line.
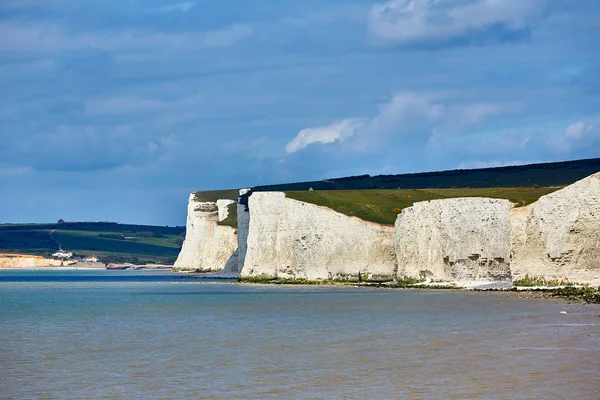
546 174
111 242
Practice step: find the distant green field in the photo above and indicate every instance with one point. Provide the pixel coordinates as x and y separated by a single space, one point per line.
382 206
109 241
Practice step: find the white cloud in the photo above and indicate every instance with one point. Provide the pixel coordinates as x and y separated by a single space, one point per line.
575 130
479 112
402 110
52 38
414 119
338 131
182 7
411 21
578 135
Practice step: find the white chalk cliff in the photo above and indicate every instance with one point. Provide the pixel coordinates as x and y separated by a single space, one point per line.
208 246
236 261
291 239
464 240
243 230
472 242
27 261
558 237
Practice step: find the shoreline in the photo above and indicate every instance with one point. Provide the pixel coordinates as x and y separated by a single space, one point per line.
45 268
153 267
569 293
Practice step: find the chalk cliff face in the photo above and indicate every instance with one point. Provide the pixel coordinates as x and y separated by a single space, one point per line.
223 208
25 261
292 239
473 242
463 240
243 214
208 246
236 262
558 237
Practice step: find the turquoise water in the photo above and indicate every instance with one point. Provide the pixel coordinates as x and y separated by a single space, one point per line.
135 334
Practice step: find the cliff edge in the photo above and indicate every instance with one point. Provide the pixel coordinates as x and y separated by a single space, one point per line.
558 237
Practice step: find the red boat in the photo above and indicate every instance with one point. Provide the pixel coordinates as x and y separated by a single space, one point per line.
115 266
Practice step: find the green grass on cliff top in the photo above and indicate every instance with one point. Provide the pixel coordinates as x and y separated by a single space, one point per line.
214 195
383 205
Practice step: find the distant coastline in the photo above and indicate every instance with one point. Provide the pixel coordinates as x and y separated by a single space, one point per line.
14 261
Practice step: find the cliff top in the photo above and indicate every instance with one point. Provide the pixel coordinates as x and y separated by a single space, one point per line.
380 198
382 206
214 195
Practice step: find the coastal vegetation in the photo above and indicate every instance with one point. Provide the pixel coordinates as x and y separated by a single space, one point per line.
536 281
402 282
590 295
578 294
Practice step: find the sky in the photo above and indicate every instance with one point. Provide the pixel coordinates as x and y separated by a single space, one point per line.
117 110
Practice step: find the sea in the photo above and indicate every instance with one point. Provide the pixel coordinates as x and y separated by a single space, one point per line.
159 335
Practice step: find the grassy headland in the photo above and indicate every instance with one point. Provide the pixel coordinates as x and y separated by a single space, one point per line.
383 205
380 198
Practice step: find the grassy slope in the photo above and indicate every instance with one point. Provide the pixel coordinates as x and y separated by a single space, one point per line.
231 219
87 238
214 195
382 206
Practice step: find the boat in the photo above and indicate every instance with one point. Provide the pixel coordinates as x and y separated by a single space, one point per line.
91 259
117 266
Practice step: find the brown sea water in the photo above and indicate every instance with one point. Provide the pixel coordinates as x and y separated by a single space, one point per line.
103 334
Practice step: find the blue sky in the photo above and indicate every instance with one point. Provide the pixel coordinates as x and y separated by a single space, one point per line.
117 110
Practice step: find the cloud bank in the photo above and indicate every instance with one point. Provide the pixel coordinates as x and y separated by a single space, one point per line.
435 21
